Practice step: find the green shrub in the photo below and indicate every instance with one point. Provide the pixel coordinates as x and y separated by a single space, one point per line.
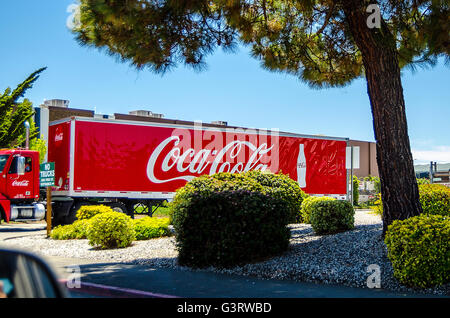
355 190
149 227
283 187
378 205
419 250
276 185
307 204
89 211
377 184
435 199
110 230
332 216
219 224
74 231
423 181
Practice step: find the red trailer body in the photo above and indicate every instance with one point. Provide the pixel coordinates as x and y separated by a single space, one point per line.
148 160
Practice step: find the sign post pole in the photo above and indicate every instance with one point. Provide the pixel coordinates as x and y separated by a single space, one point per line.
47 179
49 210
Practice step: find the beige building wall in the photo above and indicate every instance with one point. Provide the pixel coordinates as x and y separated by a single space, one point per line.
57 113
367 158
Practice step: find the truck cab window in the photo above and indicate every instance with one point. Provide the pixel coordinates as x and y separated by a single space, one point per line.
13 166
3 161
28 165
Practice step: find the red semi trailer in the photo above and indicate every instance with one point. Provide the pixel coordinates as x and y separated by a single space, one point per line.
124 163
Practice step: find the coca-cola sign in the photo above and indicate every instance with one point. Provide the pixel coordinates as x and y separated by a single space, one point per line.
189 163
23 183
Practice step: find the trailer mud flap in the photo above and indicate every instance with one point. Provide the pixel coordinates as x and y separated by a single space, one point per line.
61 208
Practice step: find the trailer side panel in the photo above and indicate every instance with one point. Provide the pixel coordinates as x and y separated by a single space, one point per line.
117 159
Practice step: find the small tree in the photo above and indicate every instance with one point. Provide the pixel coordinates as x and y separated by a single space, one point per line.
14 113
38 144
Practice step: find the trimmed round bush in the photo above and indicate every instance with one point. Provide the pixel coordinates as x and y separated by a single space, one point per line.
219 224
283 187
148 227
110 230
89 211
75 231
419 250
332 216
307 204
435 199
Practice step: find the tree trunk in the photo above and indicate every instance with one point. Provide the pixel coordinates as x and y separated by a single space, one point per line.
399 188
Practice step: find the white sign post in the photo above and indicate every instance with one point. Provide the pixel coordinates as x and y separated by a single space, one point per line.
351 162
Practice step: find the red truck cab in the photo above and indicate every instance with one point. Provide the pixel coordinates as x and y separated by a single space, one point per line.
19 185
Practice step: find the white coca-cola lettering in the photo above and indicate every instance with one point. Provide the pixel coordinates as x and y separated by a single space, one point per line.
59 137
23 183
197 162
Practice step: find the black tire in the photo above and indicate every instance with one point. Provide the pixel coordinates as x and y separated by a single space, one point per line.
118 207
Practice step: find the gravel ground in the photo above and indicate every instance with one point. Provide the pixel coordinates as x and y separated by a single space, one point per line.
342 258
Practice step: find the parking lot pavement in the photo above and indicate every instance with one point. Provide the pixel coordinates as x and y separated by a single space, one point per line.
15 230
201 284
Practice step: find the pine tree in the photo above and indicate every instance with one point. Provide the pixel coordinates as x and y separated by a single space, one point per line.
326 43
14 113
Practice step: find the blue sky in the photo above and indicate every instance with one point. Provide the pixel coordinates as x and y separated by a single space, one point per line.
234 88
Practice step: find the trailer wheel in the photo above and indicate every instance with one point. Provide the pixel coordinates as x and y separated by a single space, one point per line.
118 207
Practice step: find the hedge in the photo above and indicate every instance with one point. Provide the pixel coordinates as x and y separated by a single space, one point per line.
276 185
227 220
149 227
88 211
110 230
435 199
332 216
419 250
283 187
74 231
306 207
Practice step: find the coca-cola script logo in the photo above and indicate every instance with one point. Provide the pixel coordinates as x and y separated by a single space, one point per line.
59 135
23 183
188 163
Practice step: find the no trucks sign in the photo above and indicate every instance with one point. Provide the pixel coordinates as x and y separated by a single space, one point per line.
47 174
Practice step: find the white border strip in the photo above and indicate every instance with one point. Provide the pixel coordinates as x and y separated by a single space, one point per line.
116 194
126 291
72 155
